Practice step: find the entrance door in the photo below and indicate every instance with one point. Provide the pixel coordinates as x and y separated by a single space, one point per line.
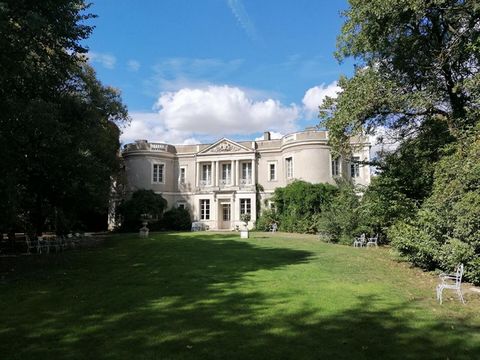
225 216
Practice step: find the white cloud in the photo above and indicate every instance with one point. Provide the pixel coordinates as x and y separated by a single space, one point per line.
149 126
223 110
108 61
273 135
206 114
314 97
133 65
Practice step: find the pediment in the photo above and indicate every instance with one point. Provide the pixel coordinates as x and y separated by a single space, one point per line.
225 146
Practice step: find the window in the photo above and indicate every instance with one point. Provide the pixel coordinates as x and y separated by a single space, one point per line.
355 167
289 167
181 205
182 175
247 172
204 209
335 166
271 205
226 173
272 172
158 173
245 206
207 174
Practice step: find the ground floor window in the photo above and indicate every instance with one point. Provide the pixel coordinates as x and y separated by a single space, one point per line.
205 209
245 206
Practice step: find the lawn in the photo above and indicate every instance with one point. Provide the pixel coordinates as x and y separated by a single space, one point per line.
214 296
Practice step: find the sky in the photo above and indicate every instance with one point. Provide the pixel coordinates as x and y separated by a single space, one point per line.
194 71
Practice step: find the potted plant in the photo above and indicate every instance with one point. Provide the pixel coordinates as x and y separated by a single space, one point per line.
244 232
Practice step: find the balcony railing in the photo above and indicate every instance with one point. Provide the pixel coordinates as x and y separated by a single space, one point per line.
207 182
245 182
225 182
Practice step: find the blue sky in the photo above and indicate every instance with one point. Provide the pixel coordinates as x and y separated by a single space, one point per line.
197 70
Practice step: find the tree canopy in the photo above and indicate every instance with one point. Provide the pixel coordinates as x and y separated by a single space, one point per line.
417 60
59 133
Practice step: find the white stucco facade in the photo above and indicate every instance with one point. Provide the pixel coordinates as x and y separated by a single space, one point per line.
217 182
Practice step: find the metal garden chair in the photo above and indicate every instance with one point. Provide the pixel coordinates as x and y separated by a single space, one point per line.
451 282
373 241
360 241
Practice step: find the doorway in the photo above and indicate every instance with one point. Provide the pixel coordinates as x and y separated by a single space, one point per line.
225 216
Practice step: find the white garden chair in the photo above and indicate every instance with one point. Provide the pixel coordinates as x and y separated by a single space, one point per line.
274 227
452 282
373 241
360 241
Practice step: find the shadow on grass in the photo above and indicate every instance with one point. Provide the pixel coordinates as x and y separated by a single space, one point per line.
181 297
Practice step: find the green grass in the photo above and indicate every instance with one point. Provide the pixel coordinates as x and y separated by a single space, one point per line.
214 296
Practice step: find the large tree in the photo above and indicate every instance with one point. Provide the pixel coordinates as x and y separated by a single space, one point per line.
58 124
417 60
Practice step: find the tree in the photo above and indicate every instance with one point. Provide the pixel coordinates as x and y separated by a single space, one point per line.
418 61
142 203
58 129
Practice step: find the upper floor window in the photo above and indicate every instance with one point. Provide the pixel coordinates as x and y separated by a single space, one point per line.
336 166
182 176
207 174
158 173
205 209
272 172
355 167
247 172
226 173
245 206
289 167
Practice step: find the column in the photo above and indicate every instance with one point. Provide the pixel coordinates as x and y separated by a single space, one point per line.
232 173
198 174
253 172
214 180
237 172
212 172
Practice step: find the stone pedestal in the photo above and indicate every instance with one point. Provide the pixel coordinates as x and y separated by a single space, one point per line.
244 234
144 230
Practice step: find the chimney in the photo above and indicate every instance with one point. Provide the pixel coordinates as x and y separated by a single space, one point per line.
266 135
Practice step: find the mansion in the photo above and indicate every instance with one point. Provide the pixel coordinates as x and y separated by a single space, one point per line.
218 182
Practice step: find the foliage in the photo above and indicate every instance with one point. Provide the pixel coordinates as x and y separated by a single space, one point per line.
451 215
299 204
58 129
340 218
177 219
245 218
383 204
266 219
418 61
142 204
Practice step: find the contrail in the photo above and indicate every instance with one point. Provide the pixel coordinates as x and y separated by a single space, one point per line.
241 14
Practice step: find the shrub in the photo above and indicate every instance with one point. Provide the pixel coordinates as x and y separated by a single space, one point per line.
414 244
340 217
174 219
141 203
299 204
266 219
447 228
